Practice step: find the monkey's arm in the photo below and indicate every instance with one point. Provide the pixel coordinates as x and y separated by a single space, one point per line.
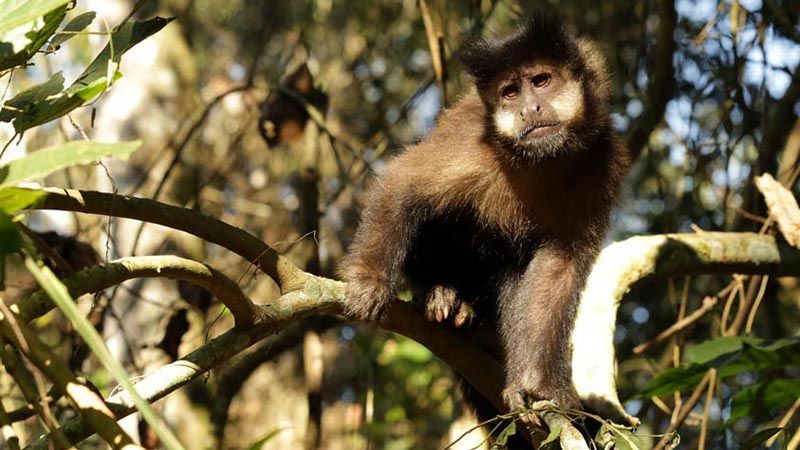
536 319
389 223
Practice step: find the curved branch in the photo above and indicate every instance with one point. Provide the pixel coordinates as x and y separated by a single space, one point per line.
104 276
286 274
623 264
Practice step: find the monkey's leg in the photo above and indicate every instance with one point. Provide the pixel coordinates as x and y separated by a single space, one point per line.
536 318
442 304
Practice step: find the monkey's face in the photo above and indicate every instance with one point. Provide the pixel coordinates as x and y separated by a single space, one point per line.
533 108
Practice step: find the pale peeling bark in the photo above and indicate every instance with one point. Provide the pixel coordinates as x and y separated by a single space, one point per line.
622 264
782 207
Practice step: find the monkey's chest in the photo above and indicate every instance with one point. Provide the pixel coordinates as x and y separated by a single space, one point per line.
461 253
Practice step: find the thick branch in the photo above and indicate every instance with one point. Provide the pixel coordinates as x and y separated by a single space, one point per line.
623 264
286 274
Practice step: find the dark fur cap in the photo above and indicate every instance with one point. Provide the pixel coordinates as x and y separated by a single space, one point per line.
540 36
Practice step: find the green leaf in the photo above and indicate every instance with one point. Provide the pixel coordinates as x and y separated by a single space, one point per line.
756 401
14 13
29 97
100 74
267 437
502 438
759 438
79 23
56 290
44 162
752 355
627 440
10 238
15 199
36 37
715 348
554 434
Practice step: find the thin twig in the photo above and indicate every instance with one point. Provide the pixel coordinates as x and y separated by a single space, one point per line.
707 410
737 292
754 310
708 305
784 422
686 409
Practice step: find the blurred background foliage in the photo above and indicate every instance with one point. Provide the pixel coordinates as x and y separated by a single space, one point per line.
207 95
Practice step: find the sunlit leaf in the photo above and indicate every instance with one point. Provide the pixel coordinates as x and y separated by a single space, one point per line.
714 348
15 199
46 161
36 38
15 13
625 439
93 81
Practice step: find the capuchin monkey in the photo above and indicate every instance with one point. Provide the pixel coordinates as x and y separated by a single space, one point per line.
499 213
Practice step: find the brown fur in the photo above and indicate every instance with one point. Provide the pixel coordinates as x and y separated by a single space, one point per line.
512 227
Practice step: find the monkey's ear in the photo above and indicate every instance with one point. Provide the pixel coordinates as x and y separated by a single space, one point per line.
479 60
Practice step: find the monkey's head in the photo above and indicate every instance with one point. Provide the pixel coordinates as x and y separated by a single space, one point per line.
545 89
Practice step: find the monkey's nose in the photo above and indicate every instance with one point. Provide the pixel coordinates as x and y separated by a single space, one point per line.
532 109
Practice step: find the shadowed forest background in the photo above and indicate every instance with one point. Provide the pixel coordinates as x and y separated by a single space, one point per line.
272 116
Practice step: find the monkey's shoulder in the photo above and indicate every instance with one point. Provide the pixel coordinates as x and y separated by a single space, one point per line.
456 144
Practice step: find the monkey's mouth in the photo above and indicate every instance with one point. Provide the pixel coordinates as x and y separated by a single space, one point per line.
535 129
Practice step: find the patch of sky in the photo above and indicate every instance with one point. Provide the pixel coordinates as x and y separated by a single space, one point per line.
424 110
677 116
696 11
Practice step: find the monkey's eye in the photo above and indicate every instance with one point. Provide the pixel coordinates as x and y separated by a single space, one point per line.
509 92
541 80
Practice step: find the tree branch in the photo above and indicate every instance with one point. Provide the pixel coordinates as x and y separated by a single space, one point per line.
104 276
286 275
662 80
618 268
623 264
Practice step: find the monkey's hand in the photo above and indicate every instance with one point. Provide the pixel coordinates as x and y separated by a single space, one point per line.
443 304
367 298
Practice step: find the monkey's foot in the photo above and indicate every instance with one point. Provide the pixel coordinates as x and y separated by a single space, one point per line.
367 299
519 398
442 304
